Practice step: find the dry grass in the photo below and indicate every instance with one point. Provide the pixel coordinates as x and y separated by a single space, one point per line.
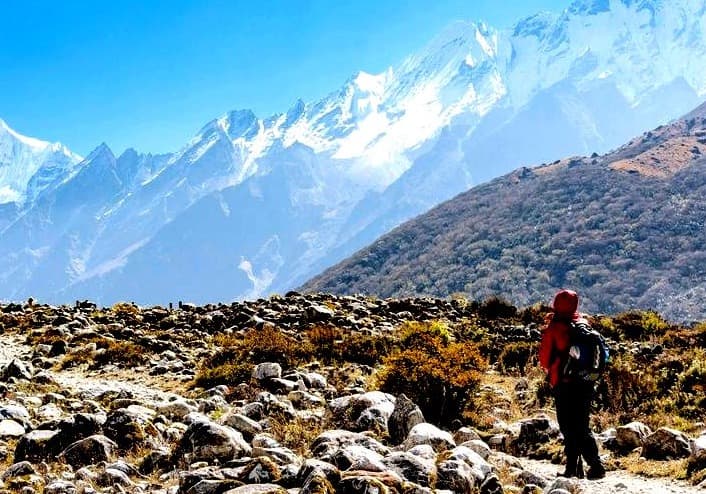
633 463
296 434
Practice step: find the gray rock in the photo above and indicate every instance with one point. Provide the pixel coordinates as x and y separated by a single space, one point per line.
697 458
18 470
258 489
36 446
534 432
61 487
456 476
248 427
210 486
10 428
426 433
16 369
404 417
666 444
630 436
479 447
363 411
89 451
175 410
412 468
207 441
267 370
325 446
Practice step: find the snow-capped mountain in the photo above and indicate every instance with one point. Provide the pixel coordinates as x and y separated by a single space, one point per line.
27 165
254 205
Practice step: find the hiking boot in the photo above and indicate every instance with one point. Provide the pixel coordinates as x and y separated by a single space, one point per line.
597 471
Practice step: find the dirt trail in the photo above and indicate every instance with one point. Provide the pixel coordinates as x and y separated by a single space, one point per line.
615 482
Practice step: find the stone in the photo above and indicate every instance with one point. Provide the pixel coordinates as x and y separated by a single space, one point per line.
248 427
267 370
111 477
327 444
630 436
456 476
16 369
479 447
36 446
89 451
10 428
130 427
533 433
405 415
207 441
426 433
61 487
18 470
258 489
666 444
412 468
364 411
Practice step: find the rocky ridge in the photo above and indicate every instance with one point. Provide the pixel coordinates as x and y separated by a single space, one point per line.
131 424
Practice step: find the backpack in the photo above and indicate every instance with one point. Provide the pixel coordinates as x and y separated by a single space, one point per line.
588 353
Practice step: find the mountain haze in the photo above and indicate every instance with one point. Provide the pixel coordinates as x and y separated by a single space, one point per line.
254 205
625 229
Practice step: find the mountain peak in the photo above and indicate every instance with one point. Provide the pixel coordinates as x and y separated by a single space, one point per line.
103 151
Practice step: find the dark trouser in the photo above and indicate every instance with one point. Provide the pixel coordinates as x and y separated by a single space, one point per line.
573 406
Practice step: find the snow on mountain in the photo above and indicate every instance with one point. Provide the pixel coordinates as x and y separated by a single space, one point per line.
252 205
28 164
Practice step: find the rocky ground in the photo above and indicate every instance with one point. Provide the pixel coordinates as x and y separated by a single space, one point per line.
83 410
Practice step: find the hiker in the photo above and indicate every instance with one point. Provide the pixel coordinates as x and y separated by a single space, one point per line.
572 394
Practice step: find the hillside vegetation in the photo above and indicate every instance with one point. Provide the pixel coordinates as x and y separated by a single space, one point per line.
626 230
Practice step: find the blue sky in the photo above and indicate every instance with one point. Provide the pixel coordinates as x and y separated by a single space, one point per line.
148 74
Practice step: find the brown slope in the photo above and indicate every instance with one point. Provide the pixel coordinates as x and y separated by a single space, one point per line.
625 229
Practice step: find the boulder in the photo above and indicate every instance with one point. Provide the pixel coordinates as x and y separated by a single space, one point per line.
364 411
404 417
631 436
207 441
412 468
36 446
666 444
248 427
697 458
89 451
258 489
328 443
267 370
16 369
61 487
426 433
10 428
130 428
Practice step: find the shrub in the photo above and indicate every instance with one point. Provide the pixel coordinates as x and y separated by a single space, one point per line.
324 340
228 373
496 308
123 353
439 376
365 349
515 357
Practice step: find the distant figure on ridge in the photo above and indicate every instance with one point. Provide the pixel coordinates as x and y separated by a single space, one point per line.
573 357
